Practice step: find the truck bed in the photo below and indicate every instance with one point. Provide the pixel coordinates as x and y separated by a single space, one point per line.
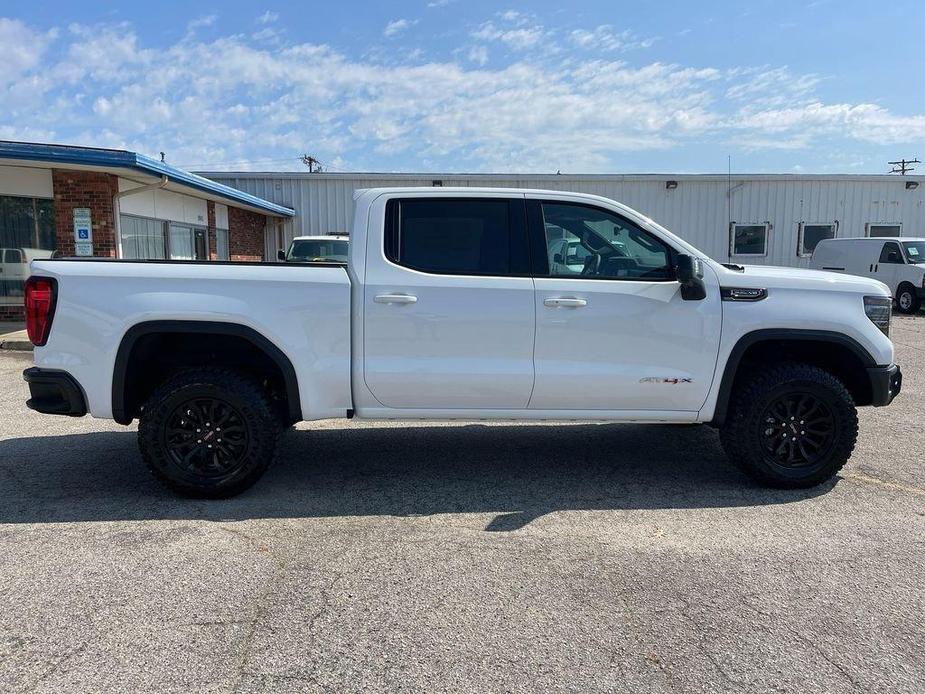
304 309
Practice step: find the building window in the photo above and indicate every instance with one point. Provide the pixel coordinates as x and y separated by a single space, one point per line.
221 245
27 232
878 230
812 234
180 242
143 238
749 239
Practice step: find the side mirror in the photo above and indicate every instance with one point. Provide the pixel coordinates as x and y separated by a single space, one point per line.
690 275
280 254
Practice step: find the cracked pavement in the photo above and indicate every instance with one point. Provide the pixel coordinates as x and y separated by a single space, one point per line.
463 557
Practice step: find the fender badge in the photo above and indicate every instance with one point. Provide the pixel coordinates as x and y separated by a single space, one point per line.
672 381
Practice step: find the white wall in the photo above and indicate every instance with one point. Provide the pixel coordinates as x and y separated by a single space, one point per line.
25 182
163 204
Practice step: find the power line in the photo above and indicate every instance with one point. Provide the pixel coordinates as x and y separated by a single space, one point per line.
314 166
902 166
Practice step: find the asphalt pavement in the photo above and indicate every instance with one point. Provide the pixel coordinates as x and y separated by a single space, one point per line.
465 558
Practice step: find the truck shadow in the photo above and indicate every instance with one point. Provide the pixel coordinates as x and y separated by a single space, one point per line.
516 473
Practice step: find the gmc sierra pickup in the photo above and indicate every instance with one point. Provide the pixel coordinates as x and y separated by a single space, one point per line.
464 304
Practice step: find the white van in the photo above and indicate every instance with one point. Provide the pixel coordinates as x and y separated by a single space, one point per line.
14 266
897 262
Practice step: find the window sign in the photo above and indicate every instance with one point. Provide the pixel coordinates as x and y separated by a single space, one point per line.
83 232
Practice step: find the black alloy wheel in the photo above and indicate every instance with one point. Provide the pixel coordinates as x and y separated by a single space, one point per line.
206 436
800 430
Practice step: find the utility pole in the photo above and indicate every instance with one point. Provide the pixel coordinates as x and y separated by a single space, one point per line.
314 166
902 166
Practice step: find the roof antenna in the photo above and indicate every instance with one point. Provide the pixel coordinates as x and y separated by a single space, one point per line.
162 157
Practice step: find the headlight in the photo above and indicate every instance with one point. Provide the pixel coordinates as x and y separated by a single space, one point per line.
878 309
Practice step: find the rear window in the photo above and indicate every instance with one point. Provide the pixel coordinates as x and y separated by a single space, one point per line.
12 255
458 236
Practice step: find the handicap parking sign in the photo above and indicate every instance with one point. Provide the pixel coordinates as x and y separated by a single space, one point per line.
83 234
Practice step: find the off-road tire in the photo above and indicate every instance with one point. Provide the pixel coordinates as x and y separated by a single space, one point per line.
907 301
241 465
746 435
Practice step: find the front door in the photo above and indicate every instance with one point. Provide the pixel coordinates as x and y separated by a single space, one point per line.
448 305
614 332
889 266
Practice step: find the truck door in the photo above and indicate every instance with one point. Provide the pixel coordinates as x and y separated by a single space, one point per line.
616 334
448 302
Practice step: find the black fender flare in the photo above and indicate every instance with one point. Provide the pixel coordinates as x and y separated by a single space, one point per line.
138 330
776 335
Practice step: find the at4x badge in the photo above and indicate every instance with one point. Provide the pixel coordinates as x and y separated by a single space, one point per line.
672 381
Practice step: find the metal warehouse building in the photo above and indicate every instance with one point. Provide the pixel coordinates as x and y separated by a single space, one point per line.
766 219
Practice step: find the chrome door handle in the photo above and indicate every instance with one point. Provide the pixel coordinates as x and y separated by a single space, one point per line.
395 299
566 301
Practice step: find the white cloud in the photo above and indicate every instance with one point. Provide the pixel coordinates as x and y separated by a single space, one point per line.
396 26
199 22
268 17
605 38
440 3
519 38
234 99
478 55
22 48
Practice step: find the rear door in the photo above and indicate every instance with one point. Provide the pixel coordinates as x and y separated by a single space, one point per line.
448 303
615 333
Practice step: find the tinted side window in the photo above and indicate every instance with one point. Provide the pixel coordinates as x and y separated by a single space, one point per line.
13 256
584 241
891 254
457 236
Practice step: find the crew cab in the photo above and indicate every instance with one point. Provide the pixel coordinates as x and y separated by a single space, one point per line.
451 306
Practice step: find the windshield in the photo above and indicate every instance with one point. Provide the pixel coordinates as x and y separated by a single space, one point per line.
317 250
915 251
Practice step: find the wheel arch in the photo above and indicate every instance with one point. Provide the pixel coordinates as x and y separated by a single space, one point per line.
848 356
122 409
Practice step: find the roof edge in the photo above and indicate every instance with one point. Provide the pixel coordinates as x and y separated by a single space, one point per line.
123 159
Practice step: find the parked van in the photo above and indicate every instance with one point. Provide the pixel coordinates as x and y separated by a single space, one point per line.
14 267
897 262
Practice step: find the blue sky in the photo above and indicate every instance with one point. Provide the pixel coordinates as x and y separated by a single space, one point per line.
456 85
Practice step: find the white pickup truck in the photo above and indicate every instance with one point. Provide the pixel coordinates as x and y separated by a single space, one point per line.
448 309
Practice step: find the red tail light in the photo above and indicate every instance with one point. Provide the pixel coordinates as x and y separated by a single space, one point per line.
41 296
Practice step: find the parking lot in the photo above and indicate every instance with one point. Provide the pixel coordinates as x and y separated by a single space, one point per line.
474 557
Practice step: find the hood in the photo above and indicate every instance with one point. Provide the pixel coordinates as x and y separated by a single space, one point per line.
768 277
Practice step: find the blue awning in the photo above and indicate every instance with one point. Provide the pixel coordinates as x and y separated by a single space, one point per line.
122 159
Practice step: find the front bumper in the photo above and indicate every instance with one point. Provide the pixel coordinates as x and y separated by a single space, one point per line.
54 392
885 384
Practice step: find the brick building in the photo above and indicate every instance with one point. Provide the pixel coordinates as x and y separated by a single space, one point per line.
80 201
